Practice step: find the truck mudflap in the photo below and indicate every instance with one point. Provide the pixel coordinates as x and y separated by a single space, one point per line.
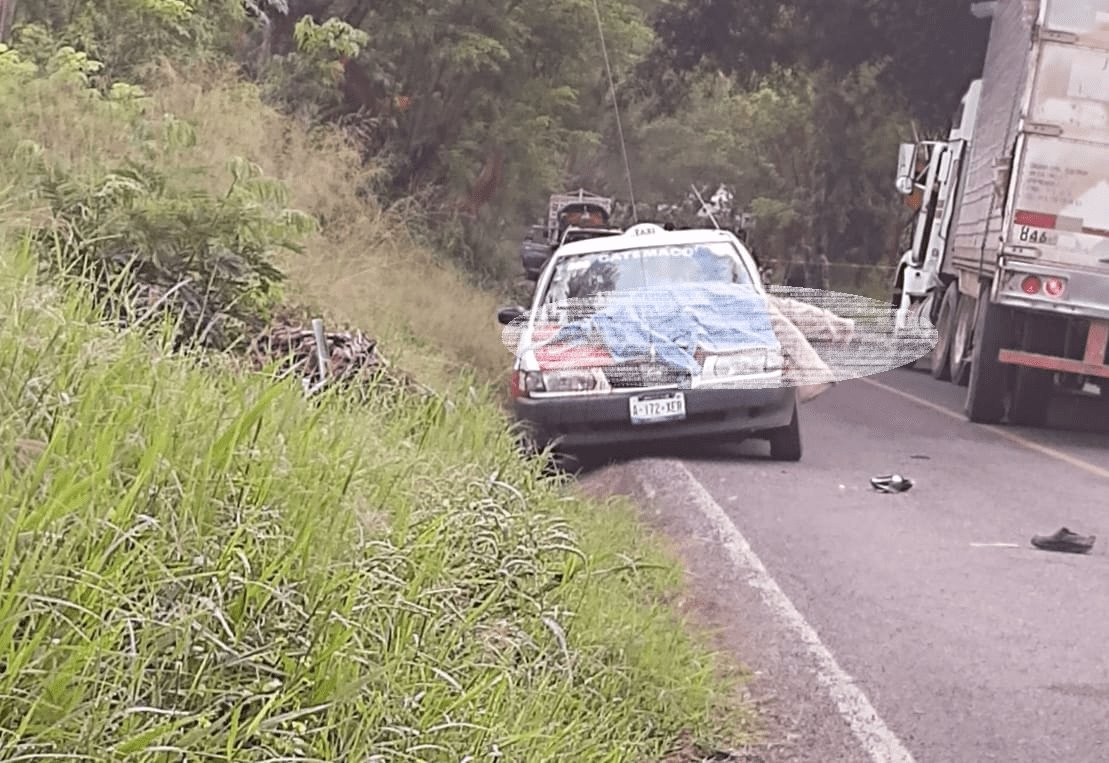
1093 361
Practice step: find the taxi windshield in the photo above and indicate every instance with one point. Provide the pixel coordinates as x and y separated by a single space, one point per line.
589 275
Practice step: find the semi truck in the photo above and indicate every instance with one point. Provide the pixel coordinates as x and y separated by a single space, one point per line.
1019 291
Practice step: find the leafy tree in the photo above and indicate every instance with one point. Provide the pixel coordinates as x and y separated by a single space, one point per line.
807 153
126 35
795 105
930 48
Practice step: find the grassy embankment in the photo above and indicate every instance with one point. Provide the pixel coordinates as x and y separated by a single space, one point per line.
364 267
198 564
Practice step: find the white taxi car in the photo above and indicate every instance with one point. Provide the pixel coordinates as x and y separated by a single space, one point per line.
651 335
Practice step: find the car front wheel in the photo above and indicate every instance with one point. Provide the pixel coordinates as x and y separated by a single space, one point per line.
785 443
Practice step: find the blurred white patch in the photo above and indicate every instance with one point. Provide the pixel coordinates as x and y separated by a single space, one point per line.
722 336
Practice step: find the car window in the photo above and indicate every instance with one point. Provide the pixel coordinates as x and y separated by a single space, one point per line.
577 281
588 275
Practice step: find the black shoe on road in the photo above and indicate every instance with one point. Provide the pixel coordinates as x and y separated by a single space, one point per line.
1065 541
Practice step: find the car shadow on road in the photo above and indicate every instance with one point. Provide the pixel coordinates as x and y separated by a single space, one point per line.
754 450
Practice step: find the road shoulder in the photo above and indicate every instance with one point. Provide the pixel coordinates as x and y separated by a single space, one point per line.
798 719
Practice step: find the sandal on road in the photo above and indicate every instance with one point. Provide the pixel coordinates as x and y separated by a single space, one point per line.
1065 542
893 483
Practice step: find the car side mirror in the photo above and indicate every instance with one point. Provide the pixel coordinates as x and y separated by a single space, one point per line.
906 159
507 315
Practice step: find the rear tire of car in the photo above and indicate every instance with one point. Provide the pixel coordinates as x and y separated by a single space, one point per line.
785 443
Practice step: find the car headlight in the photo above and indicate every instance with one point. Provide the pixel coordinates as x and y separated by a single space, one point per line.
570 380
564 380
745 363
531 381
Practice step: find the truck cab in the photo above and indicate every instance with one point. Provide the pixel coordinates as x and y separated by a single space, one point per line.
928 176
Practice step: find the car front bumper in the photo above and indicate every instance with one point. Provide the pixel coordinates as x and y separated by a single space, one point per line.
600 420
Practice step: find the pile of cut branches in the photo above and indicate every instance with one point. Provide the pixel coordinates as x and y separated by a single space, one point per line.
352 360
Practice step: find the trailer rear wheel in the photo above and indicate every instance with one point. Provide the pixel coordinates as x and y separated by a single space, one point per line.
1030 395
945 325
989 379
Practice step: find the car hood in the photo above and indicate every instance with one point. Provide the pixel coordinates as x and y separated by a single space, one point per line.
672 321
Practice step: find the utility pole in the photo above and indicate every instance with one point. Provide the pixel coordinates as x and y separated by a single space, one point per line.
7 19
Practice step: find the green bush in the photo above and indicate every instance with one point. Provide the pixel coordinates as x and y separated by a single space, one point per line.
205 260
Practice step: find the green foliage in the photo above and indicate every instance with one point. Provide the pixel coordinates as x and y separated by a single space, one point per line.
333 37
13 67
208 260
794 105
513 76
807 153
928 49
202 566
132 226
37 54
128 35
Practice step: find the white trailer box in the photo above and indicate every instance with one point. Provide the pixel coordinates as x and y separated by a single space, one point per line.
1030 246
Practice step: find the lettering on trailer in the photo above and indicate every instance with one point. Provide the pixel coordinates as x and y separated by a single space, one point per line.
1043 183
1053 185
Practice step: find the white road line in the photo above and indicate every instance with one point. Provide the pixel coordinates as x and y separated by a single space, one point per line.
879 742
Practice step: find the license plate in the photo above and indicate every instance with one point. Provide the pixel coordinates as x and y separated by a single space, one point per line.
652 409
1026 234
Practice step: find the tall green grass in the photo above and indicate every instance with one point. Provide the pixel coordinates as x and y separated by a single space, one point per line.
199 564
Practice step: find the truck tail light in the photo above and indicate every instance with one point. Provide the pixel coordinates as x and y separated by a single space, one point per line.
1048 286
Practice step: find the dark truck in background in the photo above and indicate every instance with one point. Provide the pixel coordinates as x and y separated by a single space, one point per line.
570 216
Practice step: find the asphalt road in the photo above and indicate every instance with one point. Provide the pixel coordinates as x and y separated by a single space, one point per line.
898 627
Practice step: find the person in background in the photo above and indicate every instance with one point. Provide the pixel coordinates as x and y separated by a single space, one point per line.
822 267
796 277
766 272
771 272
755 256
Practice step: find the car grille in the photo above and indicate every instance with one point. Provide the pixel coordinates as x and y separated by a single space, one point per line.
638 375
